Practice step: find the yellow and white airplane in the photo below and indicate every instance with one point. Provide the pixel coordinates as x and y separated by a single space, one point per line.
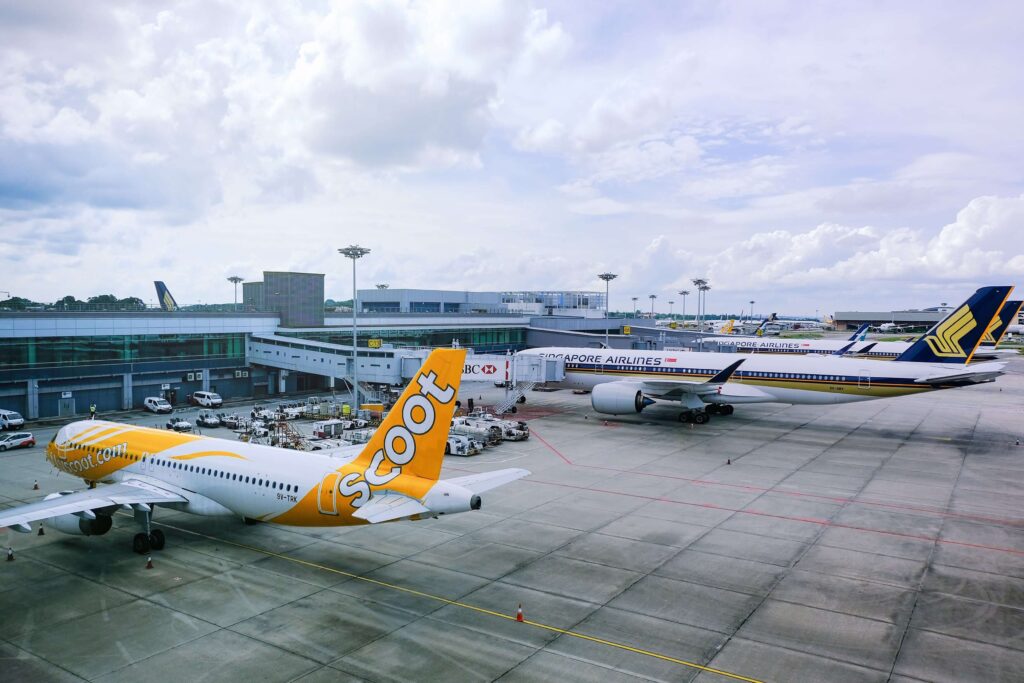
393 477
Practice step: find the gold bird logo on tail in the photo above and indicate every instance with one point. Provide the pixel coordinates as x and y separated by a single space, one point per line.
945 342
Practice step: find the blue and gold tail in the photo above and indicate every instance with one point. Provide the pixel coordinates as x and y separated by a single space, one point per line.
1001 323
163 295
955 338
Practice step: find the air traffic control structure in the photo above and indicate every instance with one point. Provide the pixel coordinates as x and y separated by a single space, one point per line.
392 367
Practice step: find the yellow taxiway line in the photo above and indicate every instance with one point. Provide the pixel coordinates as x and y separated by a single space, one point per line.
474 608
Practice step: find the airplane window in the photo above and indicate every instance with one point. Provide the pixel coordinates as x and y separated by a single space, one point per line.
260 483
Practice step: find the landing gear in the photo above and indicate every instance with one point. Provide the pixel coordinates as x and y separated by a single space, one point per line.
148 539
695 416
521 399
141 544
719 409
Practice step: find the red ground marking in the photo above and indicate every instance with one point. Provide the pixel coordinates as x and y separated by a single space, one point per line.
797 494
540 438
789 518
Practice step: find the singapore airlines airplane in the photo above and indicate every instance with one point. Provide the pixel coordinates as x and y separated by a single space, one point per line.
623 382
394 477
878 350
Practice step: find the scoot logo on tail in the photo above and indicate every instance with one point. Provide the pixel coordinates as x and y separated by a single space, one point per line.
399 447
946 340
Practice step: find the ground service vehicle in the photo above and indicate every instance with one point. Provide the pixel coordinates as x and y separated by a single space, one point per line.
155 404
17 440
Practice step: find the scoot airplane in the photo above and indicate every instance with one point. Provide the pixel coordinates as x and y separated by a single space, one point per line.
624 382
876 350
395 477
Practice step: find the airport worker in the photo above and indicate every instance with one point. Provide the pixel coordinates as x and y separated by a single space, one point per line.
92 411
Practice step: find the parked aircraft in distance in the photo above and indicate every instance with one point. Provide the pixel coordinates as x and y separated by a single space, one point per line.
393 477
623 382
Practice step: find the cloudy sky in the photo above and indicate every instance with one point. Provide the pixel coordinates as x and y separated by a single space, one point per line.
805 155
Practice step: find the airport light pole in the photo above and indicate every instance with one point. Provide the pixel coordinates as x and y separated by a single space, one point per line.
670 308
752 302
652 297
699 283
607 277
355 253
234 279
635 298
683 293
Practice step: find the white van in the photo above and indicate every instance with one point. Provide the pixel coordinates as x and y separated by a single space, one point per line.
155 404
206 399
11 420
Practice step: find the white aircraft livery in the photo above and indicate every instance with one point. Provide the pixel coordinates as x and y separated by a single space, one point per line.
393 477
627 381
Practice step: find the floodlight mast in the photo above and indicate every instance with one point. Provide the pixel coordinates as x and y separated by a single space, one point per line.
234 279
607 277
354 252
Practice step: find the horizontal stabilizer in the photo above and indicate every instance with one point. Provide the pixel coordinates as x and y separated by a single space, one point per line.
478 483
390 506
976 375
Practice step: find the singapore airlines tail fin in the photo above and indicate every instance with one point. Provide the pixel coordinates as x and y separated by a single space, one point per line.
163 295
1001 323
415 431
955 338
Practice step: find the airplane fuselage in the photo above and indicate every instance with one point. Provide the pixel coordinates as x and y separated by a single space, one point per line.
760 379
222 477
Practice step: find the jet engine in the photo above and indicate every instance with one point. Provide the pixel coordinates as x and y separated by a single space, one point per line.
444 498
618 398
85 523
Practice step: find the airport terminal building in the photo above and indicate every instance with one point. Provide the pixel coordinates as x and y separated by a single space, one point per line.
59 363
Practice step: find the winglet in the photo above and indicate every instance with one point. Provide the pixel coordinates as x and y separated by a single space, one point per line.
842 351
723 376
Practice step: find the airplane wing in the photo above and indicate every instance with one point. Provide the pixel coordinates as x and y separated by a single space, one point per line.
986 372
675 388
132 492
478 483
390 505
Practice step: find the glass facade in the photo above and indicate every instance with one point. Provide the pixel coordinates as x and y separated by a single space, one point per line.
44 352
483 339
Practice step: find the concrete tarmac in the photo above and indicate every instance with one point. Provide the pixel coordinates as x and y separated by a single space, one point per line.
880 541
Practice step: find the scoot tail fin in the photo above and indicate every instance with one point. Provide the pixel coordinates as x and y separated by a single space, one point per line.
955 338
1001 323
861 333
727 328
163 295
411 439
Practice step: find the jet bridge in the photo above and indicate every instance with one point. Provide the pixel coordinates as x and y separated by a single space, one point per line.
391 366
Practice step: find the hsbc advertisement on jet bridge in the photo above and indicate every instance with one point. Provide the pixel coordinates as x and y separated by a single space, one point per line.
486 368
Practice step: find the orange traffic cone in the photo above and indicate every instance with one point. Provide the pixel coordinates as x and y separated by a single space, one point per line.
149 562
10 554
35 485
519 613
